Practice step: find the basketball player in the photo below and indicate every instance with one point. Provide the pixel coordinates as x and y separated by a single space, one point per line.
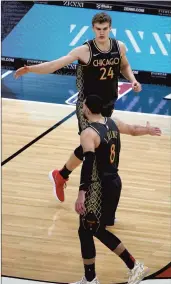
100 62
99 185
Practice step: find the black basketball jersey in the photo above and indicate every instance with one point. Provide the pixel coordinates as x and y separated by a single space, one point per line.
100 75
107 154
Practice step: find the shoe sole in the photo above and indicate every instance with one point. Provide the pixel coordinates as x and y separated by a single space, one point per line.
54 186
146 271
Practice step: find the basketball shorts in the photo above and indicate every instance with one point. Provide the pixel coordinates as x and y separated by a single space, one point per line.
100 211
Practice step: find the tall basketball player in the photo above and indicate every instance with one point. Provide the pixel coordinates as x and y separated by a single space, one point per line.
100 62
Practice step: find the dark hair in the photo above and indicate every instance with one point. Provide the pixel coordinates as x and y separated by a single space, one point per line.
94 103
102 18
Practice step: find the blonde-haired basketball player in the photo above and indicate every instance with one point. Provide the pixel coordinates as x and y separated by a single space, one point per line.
100 62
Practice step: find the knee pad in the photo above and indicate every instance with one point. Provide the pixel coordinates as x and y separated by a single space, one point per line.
88 250
79 153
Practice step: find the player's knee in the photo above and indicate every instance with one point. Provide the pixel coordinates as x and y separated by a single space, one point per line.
82 232
100 232
88 250
107 238
79 153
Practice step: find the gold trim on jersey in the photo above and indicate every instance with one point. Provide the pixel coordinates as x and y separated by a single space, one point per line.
79 106
94 129
90 56
83 122
93 200
80 81
102 50
119 49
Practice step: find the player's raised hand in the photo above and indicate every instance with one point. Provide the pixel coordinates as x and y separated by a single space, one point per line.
21 71
136 86
153 131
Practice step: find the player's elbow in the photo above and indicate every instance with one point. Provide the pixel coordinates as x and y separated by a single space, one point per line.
133 131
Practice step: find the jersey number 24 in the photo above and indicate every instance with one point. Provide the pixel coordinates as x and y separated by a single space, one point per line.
106 73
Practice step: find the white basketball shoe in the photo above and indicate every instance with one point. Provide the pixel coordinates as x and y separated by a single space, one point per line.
84 281
137 273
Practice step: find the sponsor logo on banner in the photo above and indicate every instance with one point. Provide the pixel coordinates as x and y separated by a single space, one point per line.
164 12
73 4
31 61
123 89
158 74
7 59
134 9
104 6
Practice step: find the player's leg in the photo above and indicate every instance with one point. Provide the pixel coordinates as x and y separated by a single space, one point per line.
137 271
88 253
111 199
60 177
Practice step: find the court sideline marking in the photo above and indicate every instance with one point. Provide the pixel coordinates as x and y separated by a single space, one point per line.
6 74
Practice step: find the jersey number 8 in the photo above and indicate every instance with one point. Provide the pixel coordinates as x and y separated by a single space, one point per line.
112 153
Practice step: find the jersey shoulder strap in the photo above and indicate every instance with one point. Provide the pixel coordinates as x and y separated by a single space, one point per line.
112 125
100 129
115 46
92 46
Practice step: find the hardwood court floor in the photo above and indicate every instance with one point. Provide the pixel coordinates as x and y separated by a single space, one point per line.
39 235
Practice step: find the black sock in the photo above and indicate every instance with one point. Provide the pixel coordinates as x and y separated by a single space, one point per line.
90 273
128 259
65 172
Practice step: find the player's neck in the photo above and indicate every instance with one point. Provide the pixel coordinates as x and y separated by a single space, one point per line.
96 118
103 46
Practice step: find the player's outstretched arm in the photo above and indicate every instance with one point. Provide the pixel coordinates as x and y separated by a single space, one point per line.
51 66
137 130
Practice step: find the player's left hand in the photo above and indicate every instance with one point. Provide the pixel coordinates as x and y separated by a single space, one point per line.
136 86
79 204
153 131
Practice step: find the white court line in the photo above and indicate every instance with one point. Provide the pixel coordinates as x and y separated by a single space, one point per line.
73 96
36 102
6 74
168 97
71 106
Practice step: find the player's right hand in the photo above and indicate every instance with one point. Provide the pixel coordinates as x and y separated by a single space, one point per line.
21 71
79 204
153 131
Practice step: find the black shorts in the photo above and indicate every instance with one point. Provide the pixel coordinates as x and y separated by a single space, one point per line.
82 121
101 205
111 196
